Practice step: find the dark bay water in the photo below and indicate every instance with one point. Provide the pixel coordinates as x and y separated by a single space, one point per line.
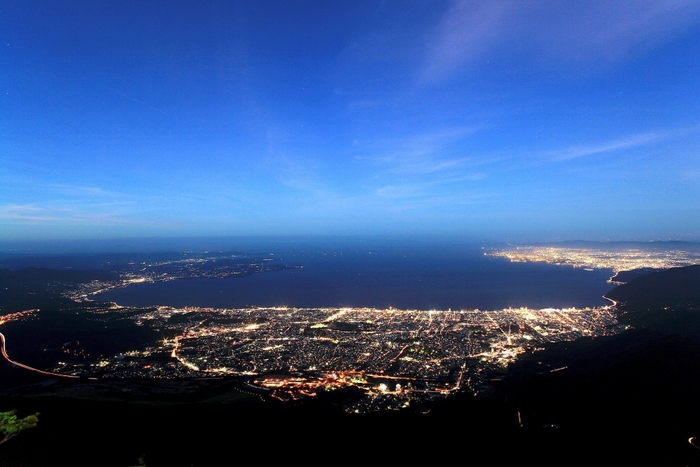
408 277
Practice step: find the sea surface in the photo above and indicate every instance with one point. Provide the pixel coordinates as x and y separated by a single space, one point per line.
420 276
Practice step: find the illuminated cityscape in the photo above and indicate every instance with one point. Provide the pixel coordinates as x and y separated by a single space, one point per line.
375 359
395 357
386 358
598 258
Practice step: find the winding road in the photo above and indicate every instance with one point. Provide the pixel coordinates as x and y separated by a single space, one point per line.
26 367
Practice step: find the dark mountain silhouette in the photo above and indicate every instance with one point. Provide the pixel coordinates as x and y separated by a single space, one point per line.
30 287
632 397
676 288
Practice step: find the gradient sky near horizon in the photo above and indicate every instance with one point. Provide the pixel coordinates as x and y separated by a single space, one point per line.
511 120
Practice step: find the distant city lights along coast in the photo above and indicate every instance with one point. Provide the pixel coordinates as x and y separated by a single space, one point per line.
617 260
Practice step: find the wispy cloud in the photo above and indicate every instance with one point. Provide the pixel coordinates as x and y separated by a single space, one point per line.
467 31
575 152
56 214
401 191
559 34
627 142
426 171
428 190
86 191
27 184
302 174
606 31
423 154
47 203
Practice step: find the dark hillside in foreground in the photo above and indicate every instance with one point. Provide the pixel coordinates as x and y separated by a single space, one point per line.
632 397
666 302
677 288
209 428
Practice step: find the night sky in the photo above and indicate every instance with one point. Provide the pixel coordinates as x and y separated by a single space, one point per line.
521 120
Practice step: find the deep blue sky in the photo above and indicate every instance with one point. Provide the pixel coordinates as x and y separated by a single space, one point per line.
485 119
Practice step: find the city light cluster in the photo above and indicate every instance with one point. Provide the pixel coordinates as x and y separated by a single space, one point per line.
395 357
618 260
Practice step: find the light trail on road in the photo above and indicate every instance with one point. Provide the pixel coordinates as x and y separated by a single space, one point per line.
27 367
693 441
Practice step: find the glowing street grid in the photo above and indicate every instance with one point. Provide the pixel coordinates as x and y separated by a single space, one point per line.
395 357
617 260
